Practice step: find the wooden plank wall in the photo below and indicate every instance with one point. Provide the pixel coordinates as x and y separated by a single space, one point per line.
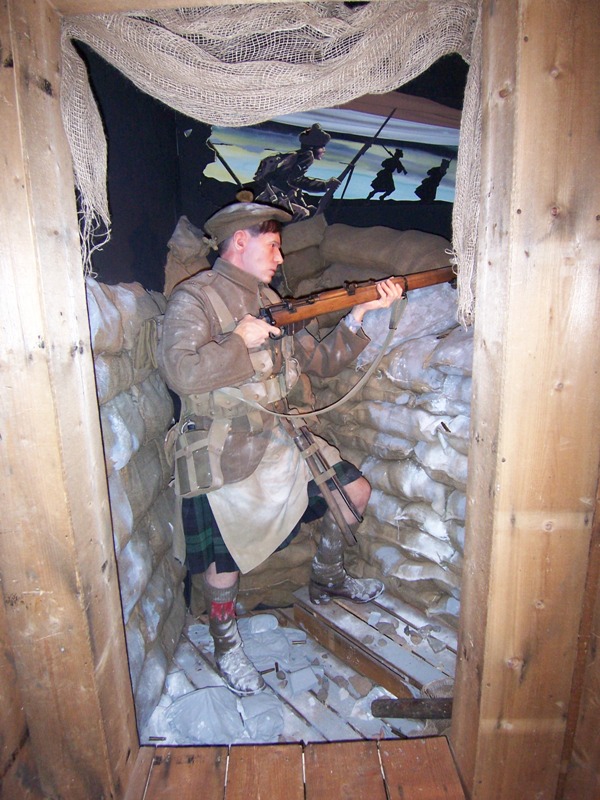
535 443
57 566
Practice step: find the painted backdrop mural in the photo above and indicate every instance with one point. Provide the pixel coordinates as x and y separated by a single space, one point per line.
423 148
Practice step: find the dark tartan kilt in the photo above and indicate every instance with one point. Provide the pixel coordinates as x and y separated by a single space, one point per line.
203 540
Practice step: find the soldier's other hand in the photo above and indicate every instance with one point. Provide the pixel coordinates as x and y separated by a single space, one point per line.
333 183
255 331
387 290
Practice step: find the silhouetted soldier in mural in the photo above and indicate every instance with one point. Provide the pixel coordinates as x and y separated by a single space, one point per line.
428 188
384 180
281 179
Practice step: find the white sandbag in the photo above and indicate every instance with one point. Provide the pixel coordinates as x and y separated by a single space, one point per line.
122 430
422 516
454 353
384 507
135 570
121 513
150 685
400 252
446 609
156 601
170 633
453 397
114 374
158 523
135 305
429 311
206 716
408 423
431 575
373 442
116 438
155 405
456 506
419 546
456 532
145 477
406 479
443 464
403 367
386 558
136 649
106 328
455 433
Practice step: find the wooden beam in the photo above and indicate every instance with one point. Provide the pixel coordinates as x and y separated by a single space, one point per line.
57 564
536 405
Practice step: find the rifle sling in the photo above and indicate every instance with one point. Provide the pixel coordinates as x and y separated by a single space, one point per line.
398 308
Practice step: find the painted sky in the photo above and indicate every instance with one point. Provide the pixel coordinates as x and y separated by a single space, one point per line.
243 148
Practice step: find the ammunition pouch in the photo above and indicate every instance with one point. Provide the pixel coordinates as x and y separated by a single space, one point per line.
197 458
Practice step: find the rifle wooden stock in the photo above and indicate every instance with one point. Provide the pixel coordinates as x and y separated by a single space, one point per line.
293 314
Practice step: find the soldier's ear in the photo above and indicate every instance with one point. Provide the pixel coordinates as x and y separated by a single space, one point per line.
239 240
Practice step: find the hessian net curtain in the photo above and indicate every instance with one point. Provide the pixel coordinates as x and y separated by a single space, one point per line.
243 64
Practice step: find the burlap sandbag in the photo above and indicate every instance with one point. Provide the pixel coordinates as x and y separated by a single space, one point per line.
300 266
187 254
300 235
379 249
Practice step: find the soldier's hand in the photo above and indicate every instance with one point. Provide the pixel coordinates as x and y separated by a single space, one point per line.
333 183
388 292
254 331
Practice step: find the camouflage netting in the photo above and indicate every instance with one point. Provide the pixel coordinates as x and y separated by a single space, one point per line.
240 65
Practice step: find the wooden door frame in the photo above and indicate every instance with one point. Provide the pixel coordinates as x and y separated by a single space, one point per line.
528 526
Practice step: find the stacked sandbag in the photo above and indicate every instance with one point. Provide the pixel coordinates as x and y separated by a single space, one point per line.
135 412
408 430
187 254
318 256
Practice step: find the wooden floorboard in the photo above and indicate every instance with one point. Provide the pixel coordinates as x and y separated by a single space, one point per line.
344 769
416 769
420 769
266 771
179 773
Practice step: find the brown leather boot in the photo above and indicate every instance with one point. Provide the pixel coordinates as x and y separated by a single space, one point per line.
328 578
233 664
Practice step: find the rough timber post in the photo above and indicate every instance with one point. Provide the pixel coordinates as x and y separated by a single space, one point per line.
536 404
57 566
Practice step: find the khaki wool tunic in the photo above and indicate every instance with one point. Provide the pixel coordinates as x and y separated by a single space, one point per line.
196 357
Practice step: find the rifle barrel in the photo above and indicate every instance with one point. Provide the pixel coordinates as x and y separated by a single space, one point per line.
306 308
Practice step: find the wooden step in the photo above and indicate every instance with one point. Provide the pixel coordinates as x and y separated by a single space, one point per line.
377 643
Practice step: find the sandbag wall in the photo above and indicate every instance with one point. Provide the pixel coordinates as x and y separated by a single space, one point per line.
408 428
135 411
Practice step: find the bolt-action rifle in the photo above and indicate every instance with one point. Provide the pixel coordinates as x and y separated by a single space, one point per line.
293 314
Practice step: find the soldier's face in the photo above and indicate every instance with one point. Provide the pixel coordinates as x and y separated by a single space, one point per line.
318 152
262 255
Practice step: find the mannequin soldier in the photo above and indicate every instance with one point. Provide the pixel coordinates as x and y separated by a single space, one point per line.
221 359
